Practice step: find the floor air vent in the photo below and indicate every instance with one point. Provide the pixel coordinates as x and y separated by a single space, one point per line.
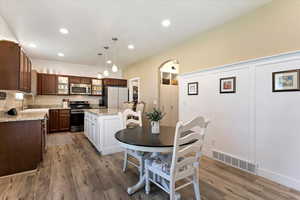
235 162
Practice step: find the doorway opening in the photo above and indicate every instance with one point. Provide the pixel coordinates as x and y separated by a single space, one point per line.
134 90
168 91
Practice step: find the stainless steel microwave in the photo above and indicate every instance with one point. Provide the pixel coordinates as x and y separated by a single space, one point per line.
82 89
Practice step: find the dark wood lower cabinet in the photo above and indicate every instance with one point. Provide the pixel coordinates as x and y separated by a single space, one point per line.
64 120
59 120
21 146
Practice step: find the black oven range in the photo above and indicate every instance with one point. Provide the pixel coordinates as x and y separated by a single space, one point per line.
77 115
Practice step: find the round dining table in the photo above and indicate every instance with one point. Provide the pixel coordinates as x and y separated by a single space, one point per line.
147 144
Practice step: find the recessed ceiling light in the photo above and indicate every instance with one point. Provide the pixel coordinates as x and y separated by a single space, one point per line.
32 45
64 31
61 54
166 23
131 46
109 62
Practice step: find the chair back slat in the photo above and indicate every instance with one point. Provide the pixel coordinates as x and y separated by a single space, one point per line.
130 117
188 150
128 105
190 137
188 155
197 122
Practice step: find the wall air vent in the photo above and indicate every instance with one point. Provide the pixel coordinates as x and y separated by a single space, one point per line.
234 162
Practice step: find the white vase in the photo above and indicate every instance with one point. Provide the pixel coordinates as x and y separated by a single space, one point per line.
155 127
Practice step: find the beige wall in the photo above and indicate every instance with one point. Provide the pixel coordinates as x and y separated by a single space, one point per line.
269 30
5 32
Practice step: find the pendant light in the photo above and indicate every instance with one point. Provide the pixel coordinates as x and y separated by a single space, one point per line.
106 72
114 67
99 75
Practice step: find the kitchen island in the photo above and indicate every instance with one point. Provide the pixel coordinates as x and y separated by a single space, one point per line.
22 141
100 126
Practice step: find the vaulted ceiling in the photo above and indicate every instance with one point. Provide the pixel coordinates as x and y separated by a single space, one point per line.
92 24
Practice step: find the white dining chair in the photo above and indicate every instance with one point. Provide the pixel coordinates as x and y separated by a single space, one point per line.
131 118
140 106
183 164
128 105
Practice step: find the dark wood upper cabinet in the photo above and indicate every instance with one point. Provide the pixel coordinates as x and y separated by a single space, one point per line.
114 82
47 84
75 79
85 80
122 83
15 67
80 80
28 72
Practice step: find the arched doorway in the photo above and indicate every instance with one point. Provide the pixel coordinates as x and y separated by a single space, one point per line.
168 91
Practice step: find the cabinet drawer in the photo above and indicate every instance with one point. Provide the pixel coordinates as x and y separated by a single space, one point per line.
64 112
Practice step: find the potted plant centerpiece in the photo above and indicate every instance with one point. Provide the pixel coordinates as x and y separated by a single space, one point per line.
155 116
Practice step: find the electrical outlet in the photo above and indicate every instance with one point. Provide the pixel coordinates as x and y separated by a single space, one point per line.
2 95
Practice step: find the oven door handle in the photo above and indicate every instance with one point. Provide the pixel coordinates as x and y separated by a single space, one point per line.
77 112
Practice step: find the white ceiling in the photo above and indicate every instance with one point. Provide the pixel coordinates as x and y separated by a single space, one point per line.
92 24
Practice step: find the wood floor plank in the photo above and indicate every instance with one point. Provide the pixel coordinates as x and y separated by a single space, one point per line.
73 169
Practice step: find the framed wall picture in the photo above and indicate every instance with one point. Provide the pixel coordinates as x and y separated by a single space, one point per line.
285 81
228 85
193 88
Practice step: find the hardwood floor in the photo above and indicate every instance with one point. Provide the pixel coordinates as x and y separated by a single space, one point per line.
72 169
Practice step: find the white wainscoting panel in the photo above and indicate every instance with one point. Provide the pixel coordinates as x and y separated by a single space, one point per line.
253 124
229 113
277 124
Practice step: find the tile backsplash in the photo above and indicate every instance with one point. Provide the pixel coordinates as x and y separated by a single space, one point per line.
41 100
57 100
10 101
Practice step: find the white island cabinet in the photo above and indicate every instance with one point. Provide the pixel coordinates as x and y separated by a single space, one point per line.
100 126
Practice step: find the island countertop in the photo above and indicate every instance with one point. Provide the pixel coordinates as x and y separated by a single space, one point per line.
104 111
26 115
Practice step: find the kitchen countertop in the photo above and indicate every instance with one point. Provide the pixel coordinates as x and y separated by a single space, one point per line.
104 111
26 115
47 107
93 106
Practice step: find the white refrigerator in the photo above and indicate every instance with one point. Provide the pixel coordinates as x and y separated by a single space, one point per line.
115 97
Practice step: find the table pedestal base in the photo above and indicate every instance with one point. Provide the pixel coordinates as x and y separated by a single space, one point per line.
141 184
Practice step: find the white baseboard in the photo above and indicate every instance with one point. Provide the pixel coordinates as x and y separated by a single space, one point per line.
279 178
111 150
